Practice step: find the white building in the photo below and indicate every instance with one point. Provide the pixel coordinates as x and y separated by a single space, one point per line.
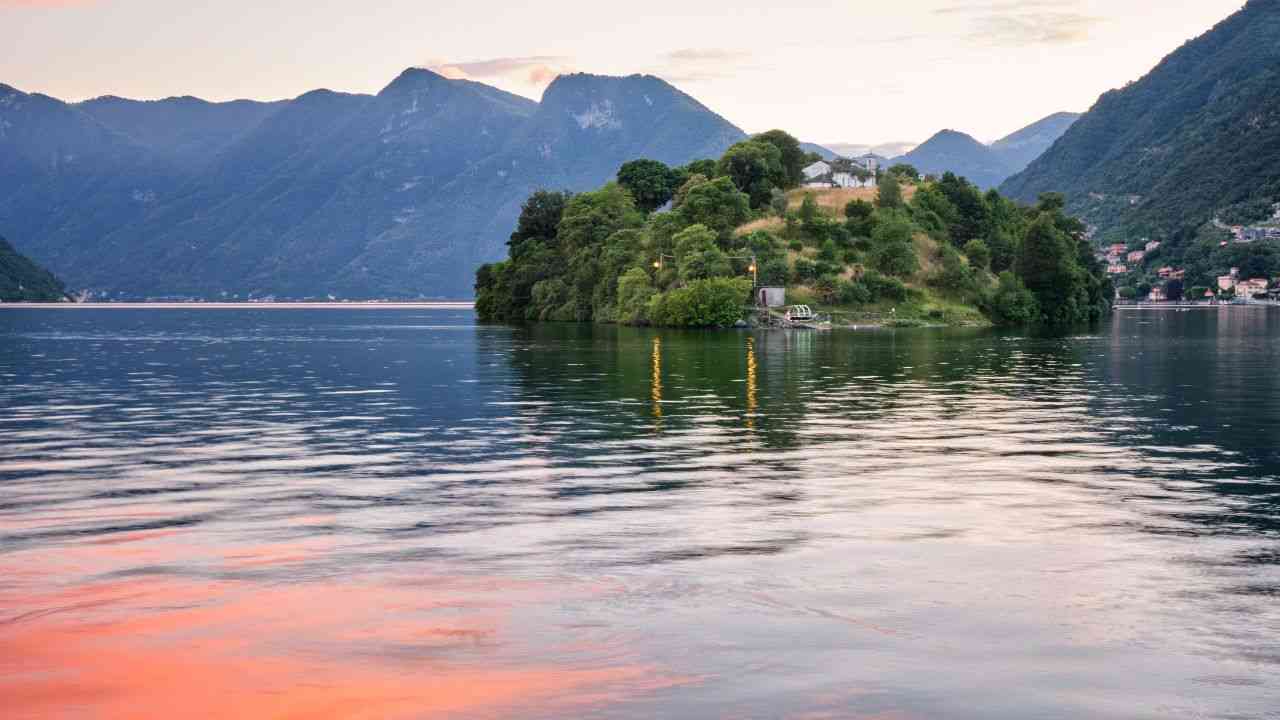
815 173
841 173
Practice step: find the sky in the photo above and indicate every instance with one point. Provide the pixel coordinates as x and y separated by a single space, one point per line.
850 72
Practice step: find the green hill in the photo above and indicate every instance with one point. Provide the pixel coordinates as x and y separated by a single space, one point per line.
940 252
1200 133
23 281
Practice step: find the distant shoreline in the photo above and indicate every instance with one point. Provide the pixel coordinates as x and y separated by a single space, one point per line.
433 305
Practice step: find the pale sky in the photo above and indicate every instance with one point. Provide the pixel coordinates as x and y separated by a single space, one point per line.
856 71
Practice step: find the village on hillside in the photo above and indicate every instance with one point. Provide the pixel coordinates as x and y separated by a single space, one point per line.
1126 262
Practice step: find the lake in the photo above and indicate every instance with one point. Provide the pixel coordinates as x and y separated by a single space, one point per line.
396 513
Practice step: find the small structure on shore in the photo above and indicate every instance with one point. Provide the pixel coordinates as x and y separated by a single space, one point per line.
771 297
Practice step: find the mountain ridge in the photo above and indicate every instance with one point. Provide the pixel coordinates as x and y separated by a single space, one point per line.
397 194
986 165
1198 133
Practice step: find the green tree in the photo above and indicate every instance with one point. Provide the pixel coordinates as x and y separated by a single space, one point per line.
893 252
859 218
904 172
829 253
890 193
793 158
972 219
539 220
592 217
778 202
650 182
953 274
635 290
1012 304
1047 266
755 167
774 271
697 255
718 205
978 253
705 167
493 296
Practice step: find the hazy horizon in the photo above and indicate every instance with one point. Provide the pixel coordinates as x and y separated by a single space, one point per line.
984 68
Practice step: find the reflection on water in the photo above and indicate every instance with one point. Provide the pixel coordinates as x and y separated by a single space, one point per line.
397 514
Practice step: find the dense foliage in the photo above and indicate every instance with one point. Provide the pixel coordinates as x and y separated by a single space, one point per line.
617 254
21 280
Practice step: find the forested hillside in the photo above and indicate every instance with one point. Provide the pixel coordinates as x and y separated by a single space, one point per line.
23 281
1199 134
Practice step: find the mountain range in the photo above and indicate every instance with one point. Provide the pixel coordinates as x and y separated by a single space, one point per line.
1197 135
986 165
398 194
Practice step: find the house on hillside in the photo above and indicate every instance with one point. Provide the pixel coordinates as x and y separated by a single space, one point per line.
1116 269
815 173
1250 288
1136 256
1151 246
840 173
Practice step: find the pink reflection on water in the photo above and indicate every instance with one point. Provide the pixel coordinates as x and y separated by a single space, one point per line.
412 643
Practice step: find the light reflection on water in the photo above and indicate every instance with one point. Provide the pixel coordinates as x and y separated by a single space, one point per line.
398 514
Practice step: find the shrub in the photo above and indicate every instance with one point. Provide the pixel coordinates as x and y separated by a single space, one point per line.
828 252
1012 304
774 271
978 253
827 288
884 288
715 302
895 258
634 293
804 270
953 275
854 293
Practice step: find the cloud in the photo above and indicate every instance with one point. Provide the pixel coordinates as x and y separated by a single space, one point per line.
1021 24
517 73
695 65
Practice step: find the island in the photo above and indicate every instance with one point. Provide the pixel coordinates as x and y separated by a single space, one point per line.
692 246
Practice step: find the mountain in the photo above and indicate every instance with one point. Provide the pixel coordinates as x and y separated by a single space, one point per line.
1029 143
1197 134
987 165
186 128
822 152
23 281
953 151
399 194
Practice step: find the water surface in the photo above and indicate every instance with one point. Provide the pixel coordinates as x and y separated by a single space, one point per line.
396 513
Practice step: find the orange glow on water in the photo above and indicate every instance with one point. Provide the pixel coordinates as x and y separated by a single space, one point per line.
396 646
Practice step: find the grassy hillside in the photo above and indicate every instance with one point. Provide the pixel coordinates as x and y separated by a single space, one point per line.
923 302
